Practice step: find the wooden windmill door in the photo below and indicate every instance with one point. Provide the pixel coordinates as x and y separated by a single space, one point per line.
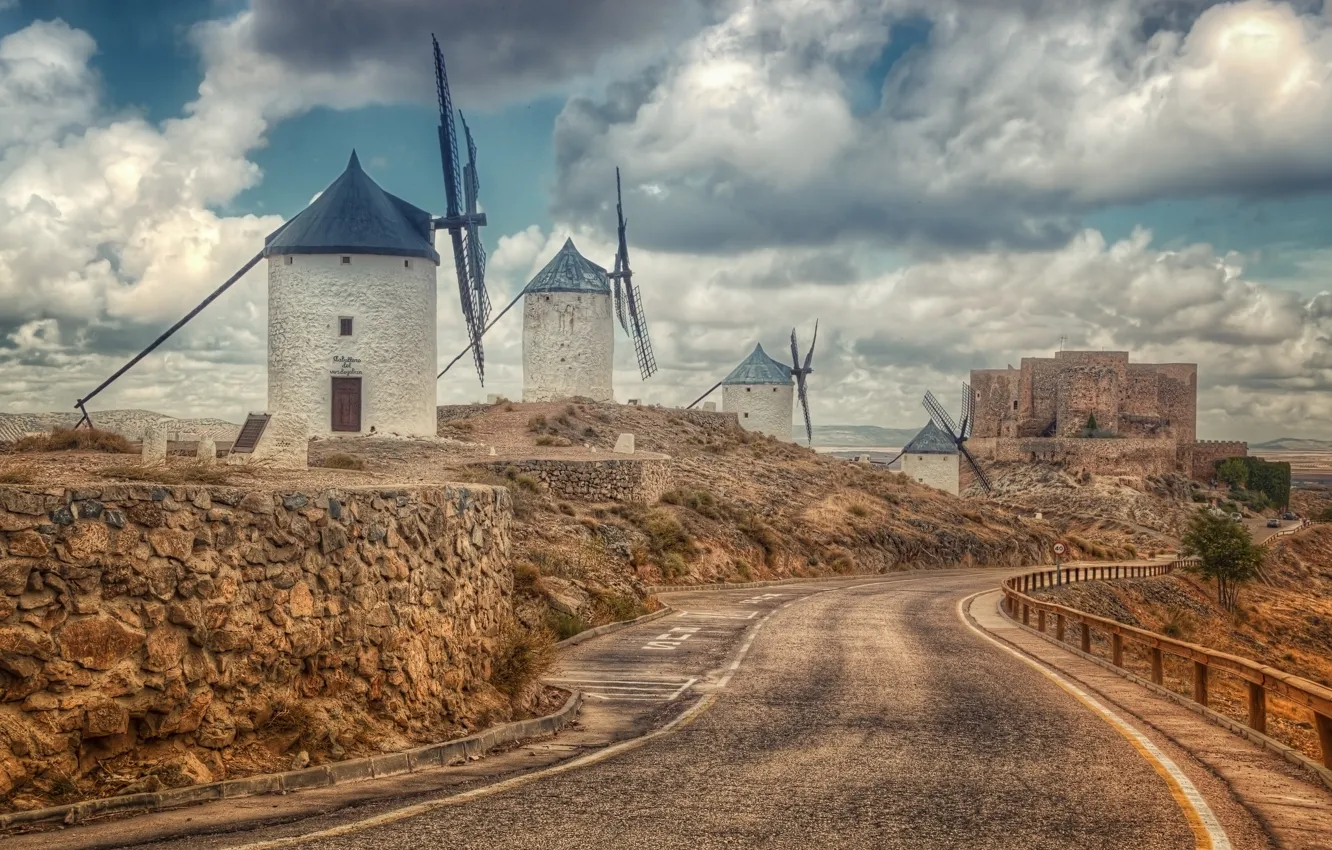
346 404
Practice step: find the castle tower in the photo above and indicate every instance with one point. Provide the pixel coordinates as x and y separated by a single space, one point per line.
351 312
932 459
568 330
761 394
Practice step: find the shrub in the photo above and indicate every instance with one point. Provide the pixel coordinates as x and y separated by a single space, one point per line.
75 439
343 461
525 577
545 440
673 565
1226 551
536 423
590 432
699 501
857 510
570 410
523 657
462 425
666 534
189 473
564 625
17 475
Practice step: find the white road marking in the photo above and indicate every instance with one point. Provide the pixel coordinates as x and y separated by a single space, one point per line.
755 600
1207 828
715 616
633 690
672 639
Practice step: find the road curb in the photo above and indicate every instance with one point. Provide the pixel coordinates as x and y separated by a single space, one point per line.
338 773
1231 725
613 627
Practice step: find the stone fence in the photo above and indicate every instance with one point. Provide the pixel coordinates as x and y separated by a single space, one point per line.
190 615
641 480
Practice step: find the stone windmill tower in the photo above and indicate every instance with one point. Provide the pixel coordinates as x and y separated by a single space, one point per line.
351 312
568 330
761 394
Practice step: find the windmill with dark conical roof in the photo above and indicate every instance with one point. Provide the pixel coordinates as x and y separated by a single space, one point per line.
932 456
568 330
762 391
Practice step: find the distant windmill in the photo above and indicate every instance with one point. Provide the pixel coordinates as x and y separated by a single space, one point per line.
628 298
958 433
762 411
461 219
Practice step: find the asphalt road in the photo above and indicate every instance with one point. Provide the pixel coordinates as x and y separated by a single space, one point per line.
865 717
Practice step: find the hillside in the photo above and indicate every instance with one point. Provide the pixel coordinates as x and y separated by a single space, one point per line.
1293 444
861 436
1282 621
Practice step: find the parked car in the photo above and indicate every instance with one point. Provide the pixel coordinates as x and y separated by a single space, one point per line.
1288 516
1238 517
1274 523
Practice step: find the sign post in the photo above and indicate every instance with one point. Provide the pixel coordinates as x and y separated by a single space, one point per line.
1059 549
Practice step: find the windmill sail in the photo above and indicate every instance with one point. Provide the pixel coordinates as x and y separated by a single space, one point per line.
461 218
799 372
629 299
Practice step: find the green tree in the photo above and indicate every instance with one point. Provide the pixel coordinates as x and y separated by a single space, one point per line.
1226 552
1091 423
1233 471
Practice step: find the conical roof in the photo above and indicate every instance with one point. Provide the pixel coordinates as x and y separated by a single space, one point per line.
931 441
354 216
570 271
759 368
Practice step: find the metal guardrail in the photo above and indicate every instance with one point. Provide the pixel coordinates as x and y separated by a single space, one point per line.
1259 678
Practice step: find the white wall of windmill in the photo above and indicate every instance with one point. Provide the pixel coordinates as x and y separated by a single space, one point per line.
568 346
765 408
939 471
391 302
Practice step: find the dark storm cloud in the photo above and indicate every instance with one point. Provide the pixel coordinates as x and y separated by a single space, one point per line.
502 47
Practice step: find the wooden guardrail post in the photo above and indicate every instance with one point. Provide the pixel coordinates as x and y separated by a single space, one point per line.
1257 707
1117 649
1158 667
1040 620
1086 637
1026 614
1059 627
1323 724
1200 683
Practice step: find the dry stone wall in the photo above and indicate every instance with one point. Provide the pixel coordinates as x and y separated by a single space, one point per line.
1098 456
1199 459
641 480
138 614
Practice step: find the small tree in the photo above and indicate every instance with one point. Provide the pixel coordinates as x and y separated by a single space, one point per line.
1091 423
1233 472
1226 551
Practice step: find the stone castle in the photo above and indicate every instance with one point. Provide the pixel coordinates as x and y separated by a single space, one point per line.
1145 415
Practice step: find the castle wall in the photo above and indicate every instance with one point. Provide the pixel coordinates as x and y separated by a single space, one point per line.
765 408
1178 401
996 395
933 470
391 301
188 616
1089 383
568 346
1038 400
1098 456
1199 459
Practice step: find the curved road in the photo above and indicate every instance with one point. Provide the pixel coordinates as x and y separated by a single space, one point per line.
869 716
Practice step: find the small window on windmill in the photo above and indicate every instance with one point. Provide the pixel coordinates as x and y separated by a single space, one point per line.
406 264
774 389
286 261
747 389
346 261
746 415
344 326
250 433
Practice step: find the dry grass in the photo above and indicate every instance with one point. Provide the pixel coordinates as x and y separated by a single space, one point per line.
18 475
75 439
190 473
343 461
523 657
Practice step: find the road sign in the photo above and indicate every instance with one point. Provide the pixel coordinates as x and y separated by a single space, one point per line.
1059 548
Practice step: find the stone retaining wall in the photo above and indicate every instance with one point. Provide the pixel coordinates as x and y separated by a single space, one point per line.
454 412
136 614
1099 456
640 480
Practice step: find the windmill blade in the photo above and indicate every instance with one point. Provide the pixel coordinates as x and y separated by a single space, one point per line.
475 328
705 395
940 416
647 363
976 468
448 134
809 356
620 302
804 406
795 352
968 412
476 272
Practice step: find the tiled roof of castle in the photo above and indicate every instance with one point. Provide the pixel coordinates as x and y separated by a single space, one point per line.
931 441
570 271
354 216
759 368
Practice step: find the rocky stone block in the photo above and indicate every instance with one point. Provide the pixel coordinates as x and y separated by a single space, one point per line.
206 451
99 642
154 446
624 444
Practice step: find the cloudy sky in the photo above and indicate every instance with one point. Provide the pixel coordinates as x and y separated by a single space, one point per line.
944 184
